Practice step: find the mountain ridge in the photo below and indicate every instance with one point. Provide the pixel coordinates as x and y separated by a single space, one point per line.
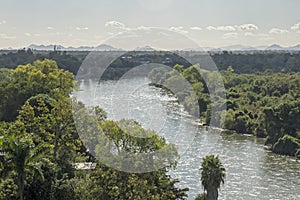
106 47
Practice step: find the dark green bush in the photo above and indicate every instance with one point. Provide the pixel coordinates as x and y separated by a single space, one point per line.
287 145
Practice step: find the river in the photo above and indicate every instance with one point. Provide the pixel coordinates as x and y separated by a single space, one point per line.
252 172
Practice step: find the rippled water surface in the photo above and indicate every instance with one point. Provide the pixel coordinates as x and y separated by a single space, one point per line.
252 171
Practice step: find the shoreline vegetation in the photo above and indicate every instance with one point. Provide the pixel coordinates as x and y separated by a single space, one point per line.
261 87
39 142
265 105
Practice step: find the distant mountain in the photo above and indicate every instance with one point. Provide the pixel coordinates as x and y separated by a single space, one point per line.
145 48
102 47
105 47
235 47
45 47
275 47
226 48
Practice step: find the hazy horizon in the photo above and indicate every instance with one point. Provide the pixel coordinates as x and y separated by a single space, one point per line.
233 46
213 23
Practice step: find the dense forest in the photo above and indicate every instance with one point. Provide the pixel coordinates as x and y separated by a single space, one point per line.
263 104
262 87
242 62
40 145
12 59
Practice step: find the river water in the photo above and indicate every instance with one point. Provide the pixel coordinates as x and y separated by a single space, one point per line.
252 172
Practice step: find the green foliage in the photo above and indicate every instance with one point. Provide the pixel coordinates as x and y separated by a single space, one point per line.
254 62
62 189
212 175
287 145
100 114
8 189
23 157
107 183
212 172
130 145
42 77
40 141
230 69
115 142
65 61
265 105
179 68
39 144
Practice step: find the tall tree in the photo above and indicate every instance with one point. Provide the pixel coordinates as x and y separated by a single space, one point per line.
212 175
22 156
126 136
41 77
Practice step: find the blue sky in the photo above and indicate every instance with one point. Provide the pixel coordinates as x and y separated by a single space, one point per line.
213 23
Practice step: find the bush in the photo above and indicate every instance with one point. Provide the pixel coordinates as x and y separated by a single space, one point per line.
286 145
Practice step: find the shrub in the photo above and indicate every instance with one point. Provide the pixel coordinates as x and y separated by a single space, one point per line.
287 145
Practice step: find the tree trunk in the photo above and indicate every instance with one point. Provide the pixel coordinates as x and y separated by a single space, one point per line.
21 184
212 194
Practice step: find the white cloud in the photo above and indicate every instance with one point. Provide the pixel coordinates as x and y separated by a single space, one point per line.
226 28
296 26
6 37
50 28
230 35
221 28
27 34
211 28
243 27
247 27
196 28
82 28
278 31
178 29
116 24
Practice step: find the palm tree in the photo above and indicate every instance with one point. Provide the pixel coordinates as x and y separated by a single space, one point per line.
22 156
212 175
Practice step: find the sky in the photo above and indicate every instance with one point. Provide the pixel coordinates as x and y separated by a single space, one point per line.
208 23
